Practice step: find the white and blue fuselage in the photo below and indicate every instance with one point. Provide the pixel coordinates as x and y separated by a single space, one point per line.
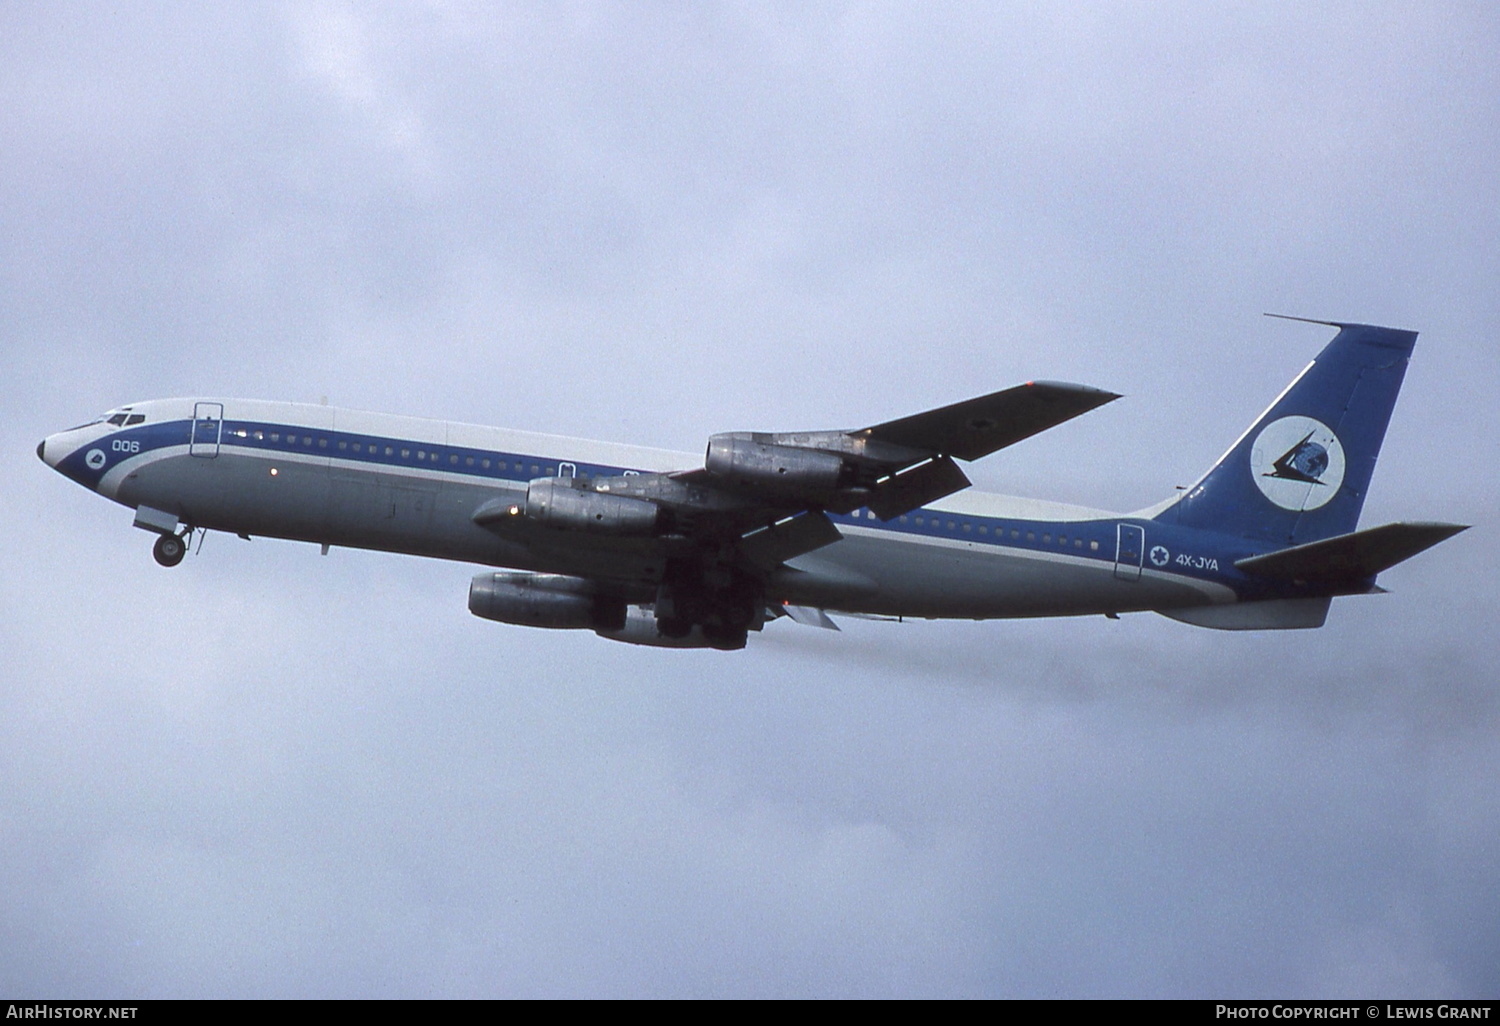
400 484
644 545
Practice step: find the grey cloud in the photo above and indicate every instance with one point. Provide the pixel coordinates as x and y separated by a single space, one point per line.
270 773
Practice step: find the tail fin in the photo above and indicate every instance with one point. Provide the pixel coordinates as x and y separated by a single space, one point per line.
1300 473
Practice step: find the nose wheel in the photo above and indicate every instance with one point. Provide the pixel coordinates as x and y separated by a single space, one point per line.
169 549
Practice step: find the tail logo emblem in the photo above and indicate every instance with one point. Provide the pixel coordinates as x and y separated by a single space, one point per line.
1297 463
1302 462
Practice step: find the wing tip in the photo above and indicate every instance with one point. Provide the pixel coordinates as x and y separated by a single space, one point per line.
1073 388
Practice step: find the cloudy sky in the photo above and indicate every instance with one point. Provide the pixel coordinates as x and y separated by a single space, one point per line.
268 773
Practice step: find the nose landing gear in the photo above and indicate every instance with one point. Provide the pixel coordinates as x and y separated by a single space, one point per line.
169 549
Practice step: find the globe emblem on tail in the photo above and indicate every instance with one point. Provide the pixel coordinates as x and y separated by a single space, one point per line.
1297 463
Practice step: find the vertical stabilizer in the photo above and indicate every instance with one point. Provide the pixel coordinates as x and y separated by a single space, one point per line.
1301 472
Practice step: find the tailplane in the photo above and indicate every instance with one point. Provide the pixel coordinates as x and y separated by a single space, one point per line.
1300 473
1348 560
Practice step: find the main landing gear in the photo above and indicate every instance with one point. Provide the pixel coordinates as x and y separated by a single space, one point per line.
722 602
170 548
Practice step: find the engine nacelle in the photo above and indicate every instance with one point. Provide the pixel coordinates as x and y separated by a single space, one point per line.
743 461
544 600
640 628
554 502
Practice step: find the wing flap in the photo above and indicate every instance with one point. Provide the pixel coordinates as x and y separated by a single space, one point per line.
978 427
917 487
810 616
788 539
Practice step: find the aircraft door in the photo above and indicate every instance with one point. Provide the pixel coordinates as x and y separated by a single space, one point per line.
1130 545
208 424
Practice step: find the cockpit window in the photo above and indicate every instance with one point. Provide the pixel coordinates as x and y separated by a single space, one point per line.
134 418
117 419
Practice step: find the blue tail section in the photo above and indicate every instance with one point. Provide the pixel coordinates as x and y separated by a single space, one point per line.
1301 472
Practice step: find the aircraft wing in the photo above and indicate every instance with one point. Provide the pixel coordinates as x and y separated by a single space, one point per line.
978 427
889 468
765 496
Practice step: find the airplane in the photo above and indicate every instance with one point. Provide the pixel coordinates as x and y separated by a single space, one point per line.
648 547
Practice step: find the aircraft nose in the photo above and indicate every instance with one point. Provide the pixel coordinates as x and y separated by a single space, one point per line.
41 450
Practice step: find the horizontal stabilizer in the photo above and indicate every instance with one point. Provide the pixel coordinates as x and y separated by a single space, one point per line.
1349 558
917 487
1296 614
978 427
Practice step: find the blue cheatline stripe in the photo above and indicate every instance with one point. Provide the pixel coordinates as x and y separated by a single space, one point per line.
1086 539
436 456
1082 539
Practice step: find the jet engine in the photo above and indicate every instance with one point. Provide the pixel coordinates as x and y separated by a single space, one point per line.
544 600
562 602
559 504
640 628
746 462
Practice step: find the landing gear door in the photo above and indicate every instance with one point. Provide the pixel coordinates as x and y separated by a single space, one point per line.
1130 546
208 423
